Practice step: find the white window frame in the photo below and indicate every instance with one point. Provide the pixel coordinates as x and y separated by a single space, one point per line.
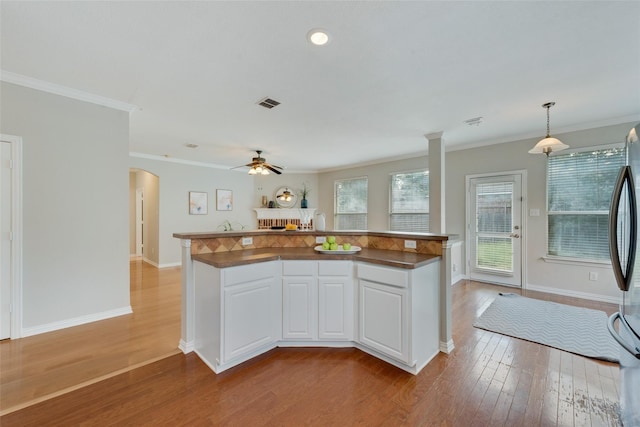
391 213
558 259
335 201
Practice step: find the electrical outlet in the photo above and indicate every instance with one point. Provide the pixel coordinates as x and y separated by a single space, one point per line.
454 267
320 239
593 275
410 244
246 241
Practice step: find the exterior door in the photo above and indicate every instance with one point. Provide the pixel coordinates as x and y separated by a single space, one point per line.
494 225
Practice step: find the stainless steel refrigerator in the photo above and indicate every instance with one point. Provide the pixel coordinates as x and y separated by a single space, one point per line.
623 237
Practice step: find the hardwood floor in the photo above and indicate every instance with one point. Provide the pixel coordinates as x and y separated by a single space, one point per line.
488 380
39 367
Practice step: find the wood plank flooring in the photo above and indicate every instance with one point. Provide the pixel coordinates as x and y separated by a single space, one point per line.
45 365
488 380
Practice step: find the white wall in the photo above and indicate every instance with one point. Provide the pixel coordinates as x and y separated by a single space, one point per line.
568 279
132 213
378 177
76 231
177 179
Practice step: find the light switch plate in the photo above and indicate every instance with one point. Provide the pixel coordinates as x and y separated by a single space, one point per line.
534 212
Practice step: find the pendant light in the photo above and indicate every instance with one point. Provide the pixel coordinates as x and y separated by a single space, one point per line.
548 144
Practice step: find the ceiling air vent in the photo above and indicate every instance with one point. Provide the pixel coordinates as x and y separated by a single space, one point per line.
268 103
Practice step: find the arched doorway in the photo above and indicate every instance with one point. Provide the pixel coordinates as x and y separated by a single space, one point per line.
144 192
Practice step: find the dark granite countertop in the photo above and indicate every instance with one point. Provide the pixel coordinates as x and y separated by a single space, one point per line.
248 233
398 259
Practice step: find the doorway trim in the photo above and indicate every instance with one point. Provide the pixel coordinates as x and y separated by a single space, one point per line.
139 221
16 230
523 220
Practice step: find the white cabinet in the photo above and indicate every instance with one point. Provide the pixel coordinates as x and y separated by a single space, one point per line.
317 300
299 301
243 311
335 300
238 312
384 321
398 313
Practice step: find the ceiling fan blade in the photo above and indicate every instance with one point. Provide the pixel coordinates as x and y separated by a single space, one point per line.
243 166
271 168
274 166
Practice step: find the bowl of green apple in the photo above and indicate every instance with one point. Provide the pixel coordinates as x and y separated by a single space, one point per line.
331 246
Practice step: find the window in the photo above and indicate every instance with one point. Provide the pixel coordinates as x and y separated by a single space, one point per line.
350 204
579 190
409 206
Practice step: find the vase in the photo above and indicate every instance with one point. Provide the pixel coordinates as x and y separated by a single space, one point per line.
303 203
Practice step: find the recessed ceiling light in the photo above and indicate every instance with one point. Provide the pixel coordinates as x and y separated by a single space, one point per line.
318 37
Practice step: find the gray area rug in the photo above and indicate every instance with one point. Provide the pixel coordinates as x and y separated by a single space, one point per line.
574 329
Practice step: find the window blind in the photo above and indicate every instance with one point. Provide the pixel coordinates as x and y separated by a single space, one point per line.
409 202
350 204
579 190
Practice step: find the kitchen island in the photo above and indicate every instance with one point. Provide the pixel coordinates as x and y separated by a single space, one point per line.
247 292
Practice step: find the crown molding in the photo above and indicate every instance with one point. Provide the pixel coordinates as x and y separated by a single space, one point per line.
30 82
176 160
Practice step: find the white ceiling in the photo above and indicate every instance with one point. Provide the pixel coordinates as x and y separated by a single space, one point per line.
392 72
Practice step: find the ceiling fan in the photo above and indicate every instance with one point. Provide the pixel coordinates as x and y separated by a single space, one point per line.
260 166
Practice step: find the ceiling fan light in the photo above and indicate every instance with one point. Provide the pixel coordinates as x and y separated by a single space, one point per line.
253 171
265 171
285 196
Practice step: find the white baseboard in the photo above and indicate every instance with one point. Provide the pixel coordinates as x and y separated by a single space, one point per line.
186 347
455 279
76 321
156 265
575 294
148 261
170 264
446 347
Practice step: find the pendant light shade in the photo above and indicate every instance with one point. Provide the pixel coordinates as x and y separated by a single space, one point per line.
548 144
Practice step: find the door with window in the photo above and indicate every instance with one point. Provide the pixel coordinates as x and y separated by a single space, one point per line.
494 225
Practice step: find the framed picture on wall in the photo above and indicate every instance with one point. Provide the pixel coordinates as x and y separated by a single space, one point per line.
224 200
197 203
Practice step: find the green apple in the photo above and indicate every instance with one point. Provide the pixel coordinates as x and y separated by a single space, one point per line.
346 246
326 246
331 239
333 246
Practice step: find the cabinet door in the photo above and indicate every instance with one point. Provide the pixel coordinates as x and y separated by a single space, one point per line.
335 308
384 319
251 317
299 307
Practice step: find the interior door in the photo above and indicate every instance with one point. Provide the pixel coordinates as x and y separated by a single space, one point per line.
494 226
5 240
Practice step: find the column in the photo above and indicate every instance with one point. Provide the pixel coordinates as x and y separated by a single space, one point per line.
436 183
188 300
